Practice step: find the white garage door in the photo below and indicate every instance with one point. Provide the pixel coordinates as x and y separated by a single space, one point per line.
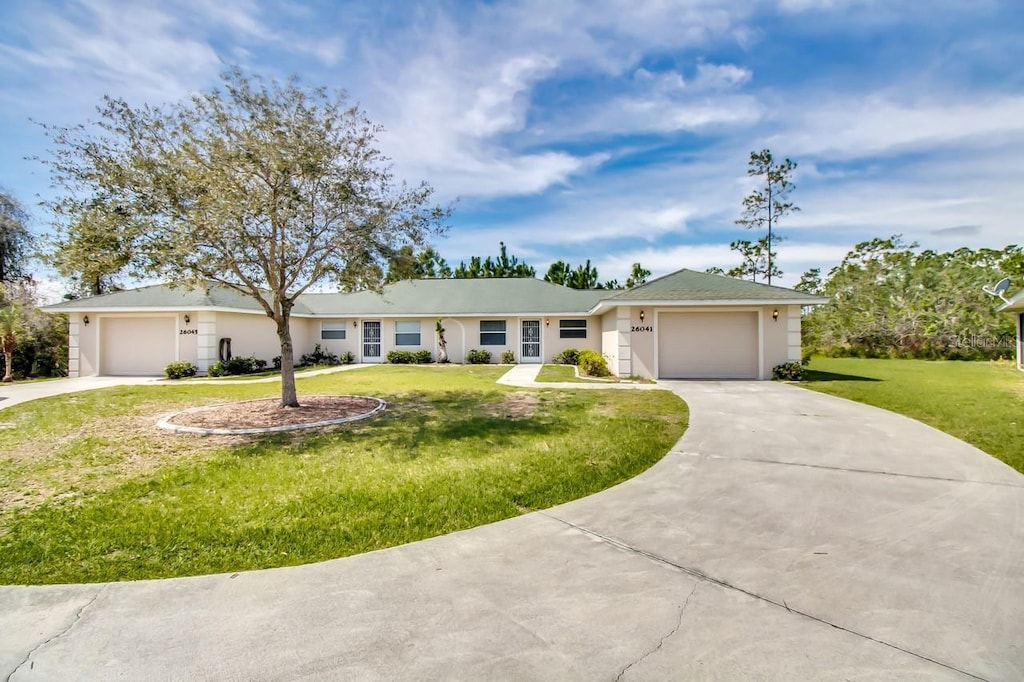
136 346
712 345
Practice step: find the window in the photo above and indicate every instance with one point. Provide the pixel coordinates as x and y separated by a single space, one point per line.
407 333
572 329
332 330
492 332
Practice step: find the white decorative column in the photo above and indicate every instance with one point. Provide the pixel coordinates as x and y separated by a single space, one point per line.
793 341
206 344
623 324
74 353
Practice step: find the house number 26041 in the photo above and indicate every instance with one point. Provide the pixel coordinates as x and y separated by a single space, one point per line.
641 328
188 332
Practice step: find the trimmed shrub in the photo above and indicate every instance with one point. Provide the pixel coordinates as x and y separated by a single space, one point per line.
216 369
276 361
180 370
569 356
788 371
409 357
240 365
346 358
593 364
508 358
319 356
478 357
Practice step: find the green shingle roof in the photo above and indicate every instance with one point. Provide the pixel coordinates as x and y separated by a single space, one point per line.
428 297
162 296
449 297
689 285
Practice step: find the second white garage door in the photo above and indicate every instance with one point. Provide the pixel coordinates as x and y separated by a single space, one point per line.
136 346
712 345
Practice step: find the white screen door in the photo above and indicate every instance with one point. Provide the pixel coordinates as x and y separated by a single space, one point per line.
531 341
371 341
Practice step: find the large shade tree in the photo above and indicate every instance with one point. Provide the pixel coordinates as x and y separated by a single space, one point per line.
15 239
264 187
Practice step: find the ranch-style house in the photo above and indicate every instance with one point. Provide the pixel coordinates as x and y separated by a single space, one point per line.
684 325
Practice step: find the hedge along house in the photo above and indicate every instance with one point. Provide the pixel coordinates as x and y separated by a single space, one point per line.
683 325
1015 306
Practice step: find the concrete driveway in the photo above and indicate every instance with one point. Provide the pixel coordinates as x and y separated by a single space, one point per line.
788 536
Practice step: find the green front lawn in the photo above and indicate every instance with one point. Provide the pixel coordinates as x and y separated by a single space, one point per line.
91 491
560 373
979 402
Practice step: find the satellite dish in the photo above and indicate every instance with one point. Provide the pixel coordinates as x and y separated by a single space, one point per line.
999 289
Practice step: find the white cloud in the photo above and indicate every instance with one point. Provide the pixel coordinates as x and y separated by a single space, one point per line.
877 124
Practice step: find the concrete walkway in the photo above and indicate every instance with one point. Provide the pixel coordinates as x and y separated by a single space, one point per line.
22 392
525 376
788 536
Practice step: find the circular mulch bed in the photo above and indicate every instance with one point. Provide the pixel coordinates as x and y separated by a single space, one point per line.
267 415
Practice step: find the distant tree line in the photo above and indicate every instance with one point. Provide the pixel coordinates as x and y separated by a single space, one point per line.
888 298
31 343
407 263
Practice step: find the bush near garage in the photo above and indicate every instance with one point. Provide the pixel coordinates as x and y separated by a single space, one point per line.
788 371
593 364
180 370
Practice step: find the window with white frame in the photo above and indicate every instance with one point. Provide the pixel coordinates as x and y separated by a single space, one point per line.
407 333
572 329
492 332
332 330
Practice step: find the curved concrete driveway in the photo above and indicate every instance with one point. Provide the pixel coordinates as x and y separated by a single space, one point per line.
788 536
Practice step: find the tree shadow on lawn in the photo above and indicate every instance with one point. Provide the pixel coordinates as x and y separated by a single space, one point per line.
818 375
418 420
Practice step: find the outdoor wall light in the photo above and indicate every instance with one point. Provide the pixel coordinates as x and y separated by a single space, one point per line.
547 322
186 318
85 320
355 324
641 316
775 315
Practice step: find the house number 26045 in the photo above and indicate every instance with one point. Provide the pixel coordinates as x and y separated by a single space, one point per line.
641 328
188 332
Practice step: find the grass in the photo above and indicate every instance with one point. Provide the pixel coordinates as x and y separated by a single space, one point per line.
981 403
560 373
91 491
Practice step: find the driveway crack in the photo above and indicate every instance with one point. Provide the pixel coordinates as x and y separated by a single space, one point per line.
53 638
754 595
874 472
661 642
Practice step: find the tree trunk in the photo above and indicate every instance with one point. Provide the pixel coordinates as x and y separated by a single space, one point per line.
8 349
289 398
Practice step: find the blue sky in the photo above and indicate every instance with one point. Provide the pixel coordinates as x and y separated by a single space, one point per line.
612 130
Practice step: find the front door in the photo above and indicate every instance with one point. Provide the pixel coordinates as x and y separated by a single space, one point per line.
371 341
531 341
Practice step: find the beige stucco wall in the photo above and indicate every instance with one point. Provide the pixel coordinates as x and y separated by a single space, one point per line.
256 335
349 344
553 344
641 343
610 340
1020 341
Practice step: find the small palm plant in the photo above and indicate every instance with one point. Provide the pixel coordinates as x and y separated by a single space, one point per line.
10 327
442 345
